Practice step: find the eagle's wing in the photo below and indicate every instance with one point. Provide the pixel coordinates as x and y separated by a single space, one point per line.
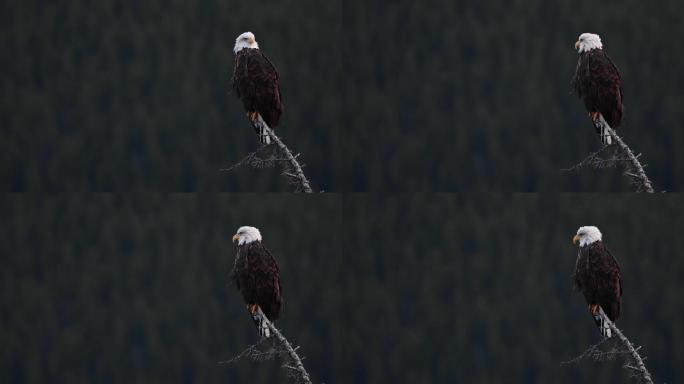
273 67
264 285
611 290
578 284
619 77
234 274
234 77
276 82
275 276
609 90
619 275
615 68
575 80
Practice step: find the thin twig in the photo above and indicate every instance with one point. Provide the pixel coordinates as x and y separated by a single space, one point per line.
306 187
296 177
304 375
593 160
593 352
645 183
252 352
636 363
645 375
253 160
292 362
632 167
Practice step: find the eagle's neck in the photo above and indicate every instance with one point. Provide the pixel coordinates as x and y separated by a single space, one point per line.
590 50
244 45
589 240
248 240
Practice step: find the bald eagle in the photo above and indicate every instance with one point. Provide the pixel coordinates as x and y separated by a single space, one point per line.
597 275
597 82
257 277
256 82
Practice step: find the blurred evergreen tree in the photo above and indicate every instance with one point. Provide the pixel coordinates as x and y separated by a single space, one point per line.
114 97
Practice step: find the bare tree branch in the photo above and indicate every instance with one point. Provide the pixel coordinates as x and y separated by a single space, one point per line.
252 353
255 161
594 352
293 170
281 347
621 347
299 366
622 156
644 183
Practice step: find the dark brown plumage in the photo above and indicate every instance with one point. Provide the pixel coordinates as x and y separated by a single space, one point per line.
597 82
257 276
597 275
256 82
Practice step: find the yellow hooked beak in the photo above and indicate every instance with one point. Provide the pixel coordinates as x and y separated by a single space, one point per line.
577 45
236 237
575 239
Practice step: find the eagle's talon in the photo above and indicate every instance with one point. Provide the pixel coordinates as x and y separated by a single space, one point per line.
594 116
252 116
593 308
252 308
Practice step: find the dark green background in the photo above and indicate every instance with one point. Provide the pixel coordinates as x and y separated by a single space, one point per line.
100 288
478 289
110 96
382 96
475 95
378 288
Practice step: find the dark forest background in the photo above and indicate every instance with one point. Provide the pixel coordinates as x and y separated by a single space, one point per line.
102 289
113 96
378 288
380 96
478 289
475 95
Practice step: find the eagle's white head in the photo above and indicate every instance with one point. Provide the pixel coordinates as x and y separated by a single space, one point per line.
246 235
587 235
246 40
587 42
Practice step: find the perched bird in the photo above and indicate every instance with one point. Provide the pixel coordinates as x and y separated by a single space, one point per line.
597 275
597 82
257 277
256 82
